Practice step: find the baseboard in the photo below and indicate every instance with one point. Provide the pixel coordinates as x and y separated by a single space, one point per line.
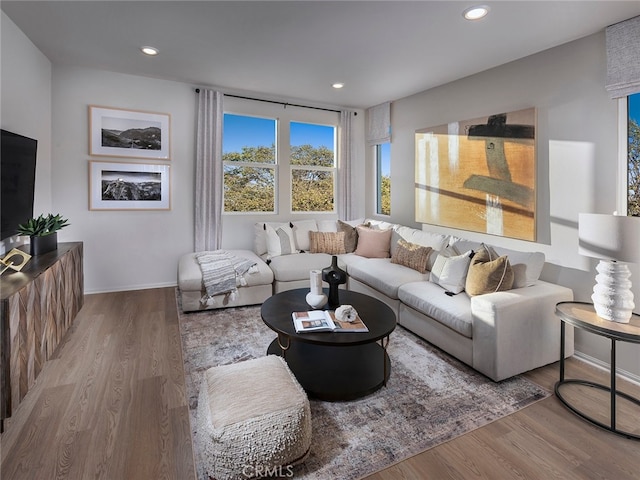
132 287
631 377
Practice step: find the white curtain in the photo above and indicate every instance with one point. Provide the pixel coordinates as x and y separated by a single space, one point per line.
379 124
623 58
345 197
208 184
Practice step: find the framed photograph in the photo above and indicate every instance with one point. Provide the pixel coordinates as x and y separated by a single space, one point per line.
479 175
129 186
129 133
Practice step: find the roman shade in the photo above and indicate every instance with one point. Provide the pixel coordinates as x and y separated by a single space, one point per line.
623 58
379 124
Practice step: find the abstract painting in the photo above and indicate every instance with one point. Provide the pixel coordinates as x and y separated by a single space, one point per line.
479 175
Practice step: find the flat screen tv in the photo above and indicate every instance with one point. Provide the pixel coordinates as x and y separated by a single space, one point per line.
18 172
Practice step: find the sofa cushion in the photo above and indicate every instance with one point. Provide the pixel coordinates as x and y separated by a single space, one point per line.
301 230
373 243
327 242
527 266
327 225
431 300
288 268
426 239
384 276
488 273
411 255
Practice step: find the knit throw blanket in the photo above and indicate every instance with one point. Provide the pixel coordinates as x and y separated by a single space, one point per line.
223 273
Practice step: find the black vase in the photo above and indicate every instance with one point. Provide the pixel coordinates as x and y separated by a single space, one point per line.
44 244
334 276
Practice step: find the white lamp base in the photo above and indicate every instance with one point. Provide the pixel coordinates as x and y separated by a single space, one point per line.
612 296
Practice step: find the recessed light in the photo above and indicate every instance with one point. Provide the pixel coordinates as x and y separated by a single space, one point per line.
475 13
338 85
149 51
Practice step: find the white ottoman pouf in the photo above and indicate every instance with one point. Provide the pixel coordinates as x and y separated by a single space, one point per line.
252 416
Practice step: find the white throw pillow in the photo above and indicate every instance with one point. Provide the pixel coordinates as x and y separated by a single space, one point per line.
280 240
260 235
450 269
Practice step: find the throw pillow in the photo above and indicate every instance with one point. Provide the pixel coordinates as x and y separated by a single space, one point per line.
373 243
280 240
327 242
488 273
450 269
350 235
411 255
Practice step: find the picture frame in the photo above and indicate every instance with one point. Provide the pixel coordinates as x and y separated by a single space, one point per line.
129 133
479 175
129 186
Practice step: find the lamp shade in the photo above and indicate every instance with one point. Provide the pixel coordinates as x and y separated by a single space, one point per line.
609 237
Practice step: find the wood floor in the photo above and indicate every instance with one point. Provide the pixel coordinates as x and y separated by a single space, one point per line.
111 405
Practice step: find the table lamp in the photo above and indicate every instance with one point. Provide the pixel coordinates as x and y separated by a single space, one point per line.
615 240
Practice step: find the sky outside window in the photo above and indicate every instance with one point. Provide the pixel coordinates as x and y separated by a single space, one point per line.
311 134
242 131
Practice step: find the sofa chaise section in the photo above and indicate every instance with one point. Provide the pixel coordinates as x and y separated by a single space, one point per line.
499 334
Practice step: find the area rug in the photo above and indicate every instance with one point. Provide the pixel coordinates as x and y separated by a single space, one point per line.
430 397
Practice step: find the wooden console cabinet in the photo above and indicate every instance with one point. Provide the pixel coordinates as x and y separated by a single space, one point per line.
39 304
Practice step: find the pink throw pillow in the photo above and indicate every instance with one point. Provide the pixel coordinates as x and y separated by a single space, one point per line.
373 243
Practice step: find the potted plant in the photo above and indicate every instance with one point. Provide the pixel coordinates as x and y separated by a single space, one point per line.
43 232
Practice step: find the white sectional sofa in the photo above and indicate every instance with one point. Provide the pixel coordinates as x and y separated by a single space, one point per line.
499 334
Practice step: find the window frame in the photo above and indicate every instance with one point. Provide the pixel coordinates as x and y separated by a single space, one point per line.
284 114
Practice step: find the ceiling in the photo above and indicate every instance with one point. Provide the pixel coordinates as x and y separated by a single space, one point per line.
295 50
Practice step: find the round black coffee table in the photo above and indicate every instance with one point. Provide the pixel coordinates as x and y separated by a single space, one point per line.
333 366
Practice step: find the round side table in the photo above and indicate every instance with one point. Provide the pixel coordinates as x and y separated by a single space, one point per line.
582 315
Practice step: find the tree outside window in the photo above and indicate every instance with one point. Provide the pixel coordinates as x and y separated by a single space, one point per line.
249 159
633 155
313 165
383 179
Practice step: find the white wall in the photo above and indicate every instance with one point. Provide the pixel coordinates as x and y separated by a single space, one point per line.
26 106
127 250
123 250
577 132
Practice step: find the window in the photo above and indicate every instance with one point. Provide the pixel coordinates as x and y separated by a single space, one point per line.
249 159
313 165
633 154
383 179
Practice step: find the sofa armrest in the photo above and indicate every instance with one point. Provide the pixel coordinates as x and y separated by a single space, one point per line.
517 330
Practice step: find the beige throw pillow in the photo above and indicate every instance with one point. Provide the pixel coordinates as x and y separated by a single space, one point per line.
373 243
350 235
488 273
411 255
327 242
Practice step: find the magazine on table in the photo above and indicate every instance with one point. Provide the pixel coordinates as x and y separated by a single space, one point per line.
325 321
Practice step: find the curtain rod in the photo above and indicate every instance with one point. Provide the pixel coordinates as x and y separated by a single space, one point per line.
286 104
